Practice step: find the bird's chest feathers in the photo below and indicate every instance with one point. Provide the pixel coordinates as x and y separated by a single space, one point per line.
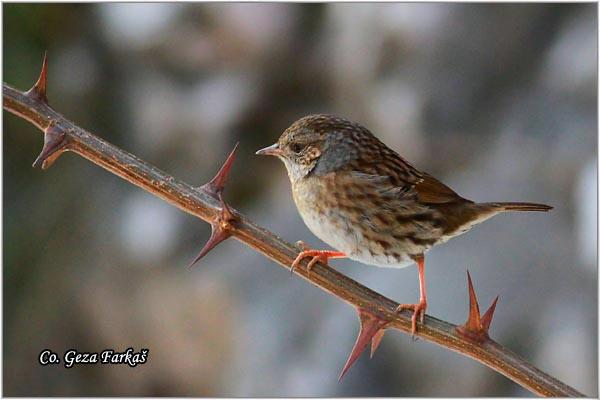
321 212
332 215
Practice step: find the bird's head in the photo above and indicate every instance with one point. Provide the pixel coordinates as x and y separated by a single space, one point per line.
316 144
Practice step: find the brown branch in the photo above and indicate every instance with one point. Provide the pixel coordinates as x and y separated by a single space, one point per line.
376 311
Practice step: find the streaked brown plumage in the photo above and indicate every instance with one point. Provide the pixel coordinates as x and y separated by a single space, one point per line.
367 202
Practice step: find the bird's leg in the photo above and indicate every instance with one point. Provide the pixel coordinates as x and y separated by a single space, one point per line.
418 309
317 255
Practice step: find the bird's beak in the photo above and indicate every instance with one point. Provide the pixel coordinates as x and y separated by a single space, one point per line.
272 150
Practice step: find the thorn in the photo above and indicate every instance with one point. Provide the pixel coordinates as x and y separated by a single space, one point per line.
222 224
486 320
217 235
54 144
474 319
217 184
220 230
477 327
38 90
371 330
376 341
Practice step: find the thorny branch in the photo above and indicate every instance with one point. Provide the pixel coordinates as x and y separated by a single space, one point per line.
376 312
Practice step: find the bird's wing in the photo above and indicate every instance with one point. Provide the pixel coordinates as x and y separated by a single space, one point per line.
402 181
384 185
432 191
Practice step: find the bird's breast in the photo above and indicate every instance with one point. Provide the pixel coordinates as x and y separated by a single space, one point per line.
321 213
333 214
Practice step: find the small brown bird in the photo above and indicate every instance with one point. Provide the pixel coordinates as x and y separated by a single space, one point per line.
368 203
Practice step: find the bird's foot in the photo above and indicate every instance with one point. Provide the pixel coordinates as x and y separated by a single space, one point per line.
317 255
418 310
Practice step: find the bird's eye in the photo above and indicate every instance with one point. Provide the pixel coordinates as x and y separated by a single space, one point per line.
296 147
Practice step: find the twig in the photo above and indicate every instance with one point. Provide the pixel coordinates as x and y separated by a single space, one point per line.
376 312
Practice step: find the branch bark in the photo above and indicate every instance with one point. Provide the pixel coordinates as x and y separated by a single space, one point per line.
200 202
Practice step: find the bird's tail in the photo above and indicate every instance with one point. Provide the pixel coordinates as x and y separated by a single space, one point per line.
518 206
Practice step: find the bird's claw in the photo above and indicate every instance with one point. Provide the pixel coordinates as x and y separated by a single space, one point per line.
418 310
317 255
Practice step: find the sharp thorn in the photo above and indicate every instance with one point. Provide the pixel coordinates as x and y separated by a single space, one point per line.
220 227
476 327
217 236
486 320
54 144
39 89
217 184
376 341
370 326
474 319
49 161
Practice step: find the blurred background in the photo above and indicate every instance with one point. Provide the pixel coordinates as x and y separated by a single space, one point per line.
498 101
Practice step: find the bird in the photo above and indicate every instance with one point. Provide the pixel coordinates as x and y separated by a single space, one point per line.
368 203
